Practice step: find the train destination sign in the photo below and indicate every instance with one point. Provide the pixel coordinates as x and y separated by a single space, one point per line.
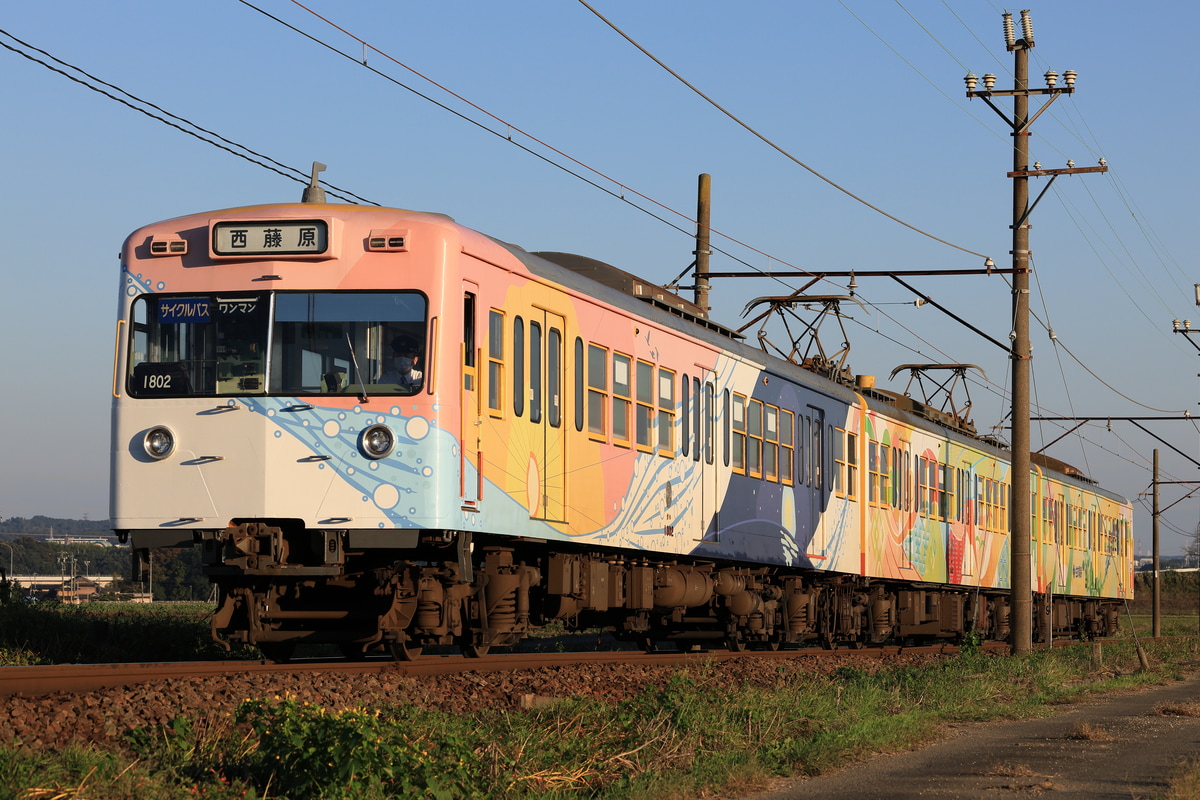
279 237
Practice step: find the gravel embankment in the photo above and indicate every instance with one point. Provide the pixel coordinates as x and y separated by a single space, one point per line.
103 717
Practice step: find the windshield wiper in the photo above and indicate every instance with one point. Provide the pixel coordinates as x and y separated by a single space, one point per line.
362 385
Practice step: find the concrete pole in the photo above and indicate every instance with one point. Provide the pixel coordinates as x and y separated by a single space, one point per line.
1022 567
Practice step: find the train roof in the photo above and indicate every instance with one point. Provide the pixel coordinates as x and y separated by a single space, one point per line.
626 290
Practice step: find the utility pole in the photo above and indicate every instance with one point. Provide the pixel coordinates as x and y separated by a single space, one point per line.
1021 567
1157 591
703 214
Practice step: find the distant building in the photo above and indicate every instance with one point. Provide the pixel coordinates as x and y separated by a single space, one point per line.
98 541
77 590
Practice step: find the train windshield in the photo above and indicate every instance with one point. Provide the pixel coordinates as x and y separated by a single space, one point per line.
277 343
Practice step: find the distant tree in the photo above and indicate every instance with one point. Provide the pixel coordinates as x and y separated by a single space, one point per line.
44 526
178 575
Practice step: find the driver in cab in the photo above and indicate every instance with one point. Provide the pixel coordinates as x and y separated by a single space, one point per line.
403 370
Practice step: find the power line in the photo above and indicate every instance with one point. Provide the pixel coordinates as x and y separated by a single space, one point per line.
510 126
228 146
619 194
233 146
767 141
301 176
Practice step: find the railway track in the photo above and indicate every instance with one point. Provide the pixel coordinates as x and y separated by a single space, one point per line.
68 678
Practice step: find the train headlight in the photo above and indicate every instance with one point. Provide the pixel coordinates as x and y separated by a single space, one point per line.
159 443
378 441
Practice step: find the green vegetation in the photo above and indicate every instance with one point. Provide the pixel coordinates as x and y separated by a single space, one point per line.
177 574
98 633
693 735
1178 604
44 526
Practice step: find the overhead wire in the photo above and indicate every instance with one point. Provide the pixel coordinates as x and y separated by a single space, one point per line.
234 148
772 144
512 127
1068 111
1058 345
299 175
767 141
624 187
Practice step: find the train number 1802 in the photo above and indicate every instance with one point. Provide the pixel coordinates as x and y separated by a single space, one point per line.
152 379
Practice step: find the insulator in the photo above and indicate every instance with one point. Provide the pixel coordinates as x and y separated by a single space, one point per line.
1010 32
1027 27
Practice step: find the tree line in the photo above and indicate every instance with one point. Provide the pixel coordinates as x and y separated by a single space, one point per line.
176 574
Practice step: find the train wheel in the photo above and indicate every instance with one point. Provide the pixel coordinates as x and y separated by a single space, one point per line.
736 644
647 644
476 650
404 651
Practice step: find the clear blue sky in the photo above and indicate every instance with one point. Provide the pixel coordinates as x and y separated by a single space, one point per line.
870 94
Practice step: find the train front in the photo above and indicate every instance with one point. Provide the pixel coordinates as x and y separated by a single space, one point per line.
274 406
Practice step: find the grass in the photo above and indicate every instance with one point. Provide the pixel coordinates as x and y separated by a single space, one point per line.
696 735
98 633
1185 782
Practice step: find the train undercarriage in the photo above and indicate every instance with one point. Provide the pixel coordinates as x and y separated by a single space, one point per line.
282 585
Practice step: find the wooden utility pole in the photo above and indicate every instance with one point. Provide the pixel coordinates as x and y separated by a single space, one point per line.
1154 540
1020 528
703 214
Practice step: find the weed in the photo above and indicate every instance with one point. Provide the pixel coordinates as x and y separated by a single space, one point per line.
1177 710
1089 732
308 751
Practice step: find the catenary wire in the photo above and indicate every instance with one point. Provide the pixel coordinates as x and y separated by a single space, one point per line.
767 141
617 183
303 177
273 165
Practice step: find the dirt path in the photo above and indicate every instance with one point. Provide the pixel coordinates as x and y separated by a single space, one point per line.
1114 746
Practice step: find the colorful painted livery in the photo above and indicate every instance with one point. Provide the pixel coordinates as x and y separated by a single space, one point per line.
386 430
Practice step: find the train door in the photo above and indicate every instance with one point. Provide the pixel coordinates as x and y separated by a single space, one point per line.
698 441
546 374
711 481
814 423
803 472
471 468
1059 574
965 514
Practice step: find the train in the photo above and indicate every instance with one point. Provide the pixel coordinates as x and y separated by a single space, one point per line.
387 432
